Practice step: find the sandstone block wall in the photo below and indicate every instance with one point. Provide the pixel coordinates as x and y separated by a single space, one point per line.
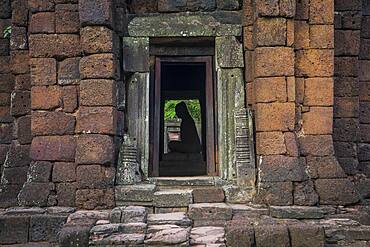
62 92
351 91
289 53
15 105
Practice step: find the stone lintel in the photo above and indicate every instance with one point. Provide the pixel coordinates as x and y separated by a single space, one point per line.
173 25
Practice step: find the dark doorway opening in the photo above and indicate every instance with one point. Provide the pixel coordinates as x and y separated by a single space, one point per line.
188 80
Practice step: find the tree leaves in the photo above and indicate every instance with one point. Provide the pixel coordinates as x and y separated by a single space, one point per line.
193 107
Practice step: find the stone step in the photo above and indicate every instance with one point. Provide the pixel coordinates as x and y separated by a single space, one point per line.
135 239
210 211
99 231
179 219
296 212
210 214
163 235
129 214
208 194
172 198
163 182
207 235
140 195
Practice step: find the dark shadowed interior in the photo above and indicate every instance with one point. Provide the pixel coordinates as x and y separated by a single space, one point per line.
183 81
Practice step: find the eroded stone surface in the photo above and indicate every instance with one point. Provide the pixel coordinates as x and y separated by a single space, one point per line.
167 235
173 198
296 212
133 214
135 193
207 235
210 211
180 26
179 219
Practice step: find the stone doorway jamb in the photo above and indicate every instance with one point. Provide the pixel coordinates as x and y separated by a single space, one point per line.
233 122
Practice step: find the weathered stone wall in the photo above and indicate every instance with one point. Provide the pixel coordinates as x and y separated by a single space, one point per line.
170 6
63 62
351 90
269 59
16 109
363 181
6 86
74 77
290 53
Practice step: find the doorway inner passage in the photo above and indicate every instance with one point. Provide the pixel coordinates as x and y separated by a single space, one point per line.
183 119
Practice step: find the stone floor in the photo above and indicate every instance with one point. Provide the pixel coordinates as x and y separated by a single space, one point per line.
202 224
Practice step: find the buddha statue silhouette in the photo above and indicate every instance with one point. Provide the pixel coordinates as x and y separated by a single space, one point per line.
189 140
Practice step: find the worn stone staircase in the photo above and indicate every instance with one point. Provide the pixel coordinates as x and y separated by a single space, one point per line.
204 224
185 212
219 224
175 194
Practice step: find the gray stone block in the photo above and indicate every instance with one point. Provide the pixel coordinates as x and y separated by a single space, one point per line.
173 25
35 194
123 239
238 194
99 231
229 52
46 227
94 12
135 54
296 212
228 4
40 171
60 210
75 235
207 235
336 191
135 193
8 195
165 235
18 155
173 198
24 211
300 233
210 211
134 214
271 235
116 214
132 228
290 170
179 219
186 5
239 234
14 229
6 9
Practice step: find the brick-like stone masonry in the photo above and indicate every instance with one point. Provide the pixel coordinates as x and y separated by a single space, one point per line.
62 97
69 78
15 101
289 53
351 91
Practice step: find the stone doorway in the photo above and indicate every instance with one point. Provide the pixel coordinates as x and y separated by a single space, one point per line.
183 79
181 35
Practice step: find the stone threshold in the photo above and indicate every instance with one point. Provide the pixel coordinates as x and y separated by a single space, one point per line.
187 181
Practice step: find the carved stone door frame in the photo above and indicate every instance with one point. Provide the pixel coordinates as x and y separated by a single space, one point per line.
233 125
210 118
